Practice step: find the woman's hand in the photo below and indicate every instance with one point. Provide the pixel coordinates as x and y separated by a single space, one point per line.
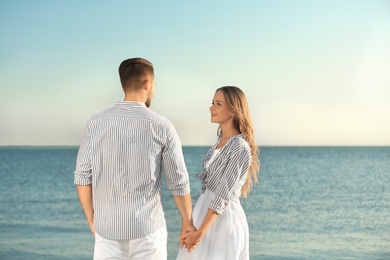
186 227
191 239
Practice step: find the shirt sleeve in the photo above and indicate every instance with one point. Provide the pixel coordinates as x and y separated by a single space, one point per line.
236 166
83 171
175 170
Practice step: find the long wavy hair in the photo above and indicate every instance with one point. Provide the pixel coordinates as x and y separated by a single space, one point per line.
238 106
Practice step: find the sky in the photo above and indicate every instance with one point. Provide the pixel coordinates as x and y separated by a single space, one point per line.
315 73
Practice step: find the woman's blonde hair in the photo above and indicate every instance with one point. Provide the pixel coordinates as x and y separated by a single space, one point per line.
238 106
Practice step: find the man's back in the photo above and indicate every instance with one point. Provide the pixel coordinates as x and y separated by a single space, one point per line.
127 145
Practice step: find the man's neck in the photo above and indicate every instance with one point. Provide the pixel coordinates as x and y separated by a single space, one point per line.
136 97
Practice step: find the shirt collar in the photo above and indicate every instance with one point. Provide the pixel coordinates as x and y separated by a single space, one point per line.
130 104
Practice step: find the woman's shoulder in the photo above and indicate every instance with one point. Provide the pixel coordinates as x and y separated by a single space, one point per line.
239 142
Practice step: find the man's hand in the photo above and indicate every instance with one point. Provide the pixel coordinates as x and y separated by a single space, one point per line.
191 239
186 227
92 228
85 197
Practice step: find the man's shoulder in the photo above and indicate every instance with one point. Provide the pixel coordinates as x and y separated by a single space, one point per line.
140 113
104 113
159 119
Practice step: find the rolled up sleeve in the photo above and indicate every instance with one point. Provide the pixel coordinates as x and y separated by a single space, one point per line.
175 170
235 168
83 171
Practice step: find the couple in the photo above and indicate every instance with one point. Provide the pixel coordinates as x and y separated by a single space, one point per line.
118 176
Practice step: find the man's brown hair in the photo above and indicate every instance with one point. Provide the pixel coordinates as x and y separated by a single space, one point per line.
133 72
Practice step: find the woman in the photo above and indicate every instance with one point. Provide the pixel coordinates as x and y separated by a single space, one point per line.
228 171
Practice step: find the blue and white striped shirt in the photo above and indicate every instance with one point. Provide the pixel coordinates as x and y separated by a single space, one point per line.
122 154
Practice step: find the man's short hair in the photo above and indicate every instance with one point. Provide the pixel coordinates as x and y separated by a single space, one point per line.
133 72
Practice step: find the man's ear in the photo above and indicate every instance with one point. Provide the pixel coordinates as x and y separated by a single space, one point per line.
147 85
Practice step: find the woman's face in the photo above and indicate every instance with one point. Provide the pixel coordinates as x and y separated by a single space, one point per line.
219 109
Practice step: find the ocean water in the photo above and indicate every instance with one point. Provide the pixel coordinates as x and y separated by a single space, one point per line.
311 203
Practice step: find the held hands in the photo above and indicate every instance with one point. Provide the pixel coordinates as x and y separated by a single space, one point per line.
187 229
190 239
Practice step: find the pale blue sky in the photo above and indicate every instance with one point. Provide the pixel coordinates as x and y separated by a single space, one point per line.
314 72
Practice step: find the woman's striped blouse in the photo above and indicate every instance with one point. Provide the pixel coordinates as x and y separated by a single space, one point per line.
226 173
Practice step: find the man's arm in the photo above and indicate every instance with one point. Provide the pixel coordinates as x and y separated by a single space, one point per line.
85 197
176 177
184 204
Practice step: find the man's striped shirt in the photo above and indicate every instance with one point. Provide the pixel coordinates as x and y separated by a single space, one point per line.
122 153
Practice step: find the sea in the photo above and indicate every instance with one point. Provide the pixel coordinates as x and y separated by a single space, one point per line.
310 203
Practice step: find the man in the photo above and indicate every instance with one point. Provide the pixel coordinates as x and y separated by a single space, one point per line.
118 172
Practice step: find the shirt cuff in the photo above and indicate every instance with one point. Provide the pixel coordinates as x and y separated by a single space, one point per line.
218 204
181 192
82 180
